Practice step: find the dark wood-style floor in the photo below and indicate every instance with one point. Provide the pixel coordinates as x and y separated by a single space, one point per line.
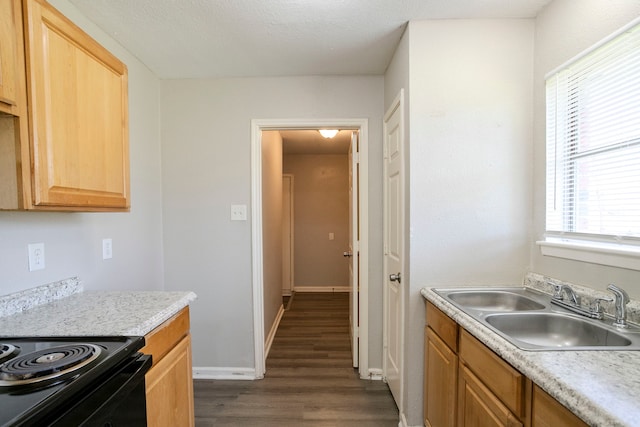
309 381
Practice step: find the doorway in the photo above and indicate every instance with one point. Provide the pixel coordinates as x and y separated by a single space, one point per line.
361 301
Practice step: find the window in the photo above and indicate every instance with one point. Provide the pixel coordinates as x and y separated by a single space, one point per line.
593 145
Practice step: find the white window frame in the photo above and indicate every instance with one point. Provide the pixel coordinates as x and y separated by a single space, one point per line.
616 251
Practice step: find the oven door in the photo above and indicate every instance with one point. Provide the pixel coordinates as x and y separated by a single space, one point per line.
118 400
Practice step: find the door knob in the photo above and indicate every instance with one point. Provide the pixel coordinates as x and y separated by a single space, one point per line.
395 277
347 254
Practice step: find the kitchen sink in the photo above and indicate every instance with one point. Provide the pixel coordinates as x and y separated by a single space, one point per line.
527 319
494 300
555 330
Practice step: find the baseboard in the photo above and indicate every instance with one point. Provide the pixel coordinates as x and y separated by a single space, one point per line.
375 374
272 332
209 373
403 422
302 289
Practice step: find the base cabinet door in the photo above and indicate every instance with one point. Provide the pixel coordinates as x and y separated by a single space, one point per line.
441 371
478 406
170 390
548 412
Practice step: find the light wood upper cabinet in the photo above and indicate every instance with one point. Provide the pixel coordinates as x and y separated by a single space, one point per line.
64 132
10 30
78 116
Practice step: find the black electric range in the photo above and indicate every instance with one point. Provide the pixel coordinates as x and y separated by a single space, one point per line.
64 381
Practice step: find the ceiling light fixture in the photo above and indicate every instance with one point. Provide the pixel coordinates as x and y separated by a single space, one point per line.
328 133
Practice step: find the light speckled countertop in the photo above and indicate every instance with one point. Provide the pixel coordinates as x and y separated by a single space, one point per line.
64 309
601 387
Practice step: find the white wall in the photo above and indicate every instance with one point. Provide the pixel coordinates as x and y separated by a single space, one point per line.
321 206
470 108
73 241
206 167
271 226
564 29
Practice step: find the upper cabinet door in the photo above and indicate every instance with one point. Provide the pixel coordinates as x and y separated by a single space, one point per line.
79 137
9 73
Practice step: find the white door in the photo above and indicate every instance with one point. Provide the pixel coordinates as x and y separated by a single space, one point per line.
393 248
287 234
353 253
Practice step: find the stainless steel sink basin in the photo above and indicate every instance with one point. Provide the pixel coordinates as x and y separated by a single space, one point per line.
494 300
555 330
527 319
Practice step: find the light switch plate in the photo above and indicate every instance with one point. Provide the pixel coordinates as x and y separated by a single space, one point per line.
238 212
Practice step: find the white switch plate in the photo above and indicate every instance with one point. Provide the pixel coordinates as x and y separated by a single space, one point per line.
107 248
36 256
238 212
332 236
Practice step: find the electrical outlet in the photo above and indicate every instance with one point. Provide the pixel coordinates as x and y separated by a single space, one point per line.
36 256
107 249
238 212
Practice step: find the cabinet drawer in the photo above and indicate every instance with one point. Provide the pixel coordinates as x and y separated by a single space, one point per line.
165 337
443 325
501 378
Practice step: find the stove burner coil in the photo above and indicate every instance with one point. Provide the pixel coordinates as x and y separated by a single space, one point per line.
47 364
7 351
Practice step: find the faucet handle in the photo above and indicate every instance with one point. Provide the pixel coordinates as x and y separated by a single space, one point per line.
557 289
597 306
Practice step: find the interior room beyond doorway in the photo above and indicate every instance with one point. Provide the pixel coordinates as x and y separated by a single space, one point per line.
268 158
318 170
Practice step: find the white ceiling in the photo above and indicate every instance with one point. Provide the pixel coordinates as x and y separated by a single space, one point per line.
311 142
238 38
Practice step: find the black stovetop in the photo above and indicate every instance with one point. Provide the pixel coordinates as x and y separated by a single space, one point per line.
24 401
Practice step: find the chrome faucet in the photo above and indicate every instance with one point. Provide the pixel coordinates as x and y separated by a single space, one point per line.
620 304
573 302
561 289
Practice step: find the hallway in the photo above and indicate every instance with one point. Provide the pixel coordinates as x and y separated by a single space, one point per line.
309 379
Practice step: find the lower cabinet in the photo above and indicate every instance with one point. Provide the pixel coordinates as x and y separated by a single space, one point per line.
441 367
504 384
479 407
547 412
467 385
169 382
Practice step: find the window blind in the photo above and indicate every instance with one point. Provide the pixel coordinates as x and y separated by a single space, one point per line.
593 141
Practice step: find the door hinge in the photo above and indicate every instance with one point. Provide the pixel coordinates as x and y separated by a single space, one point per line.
356 157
